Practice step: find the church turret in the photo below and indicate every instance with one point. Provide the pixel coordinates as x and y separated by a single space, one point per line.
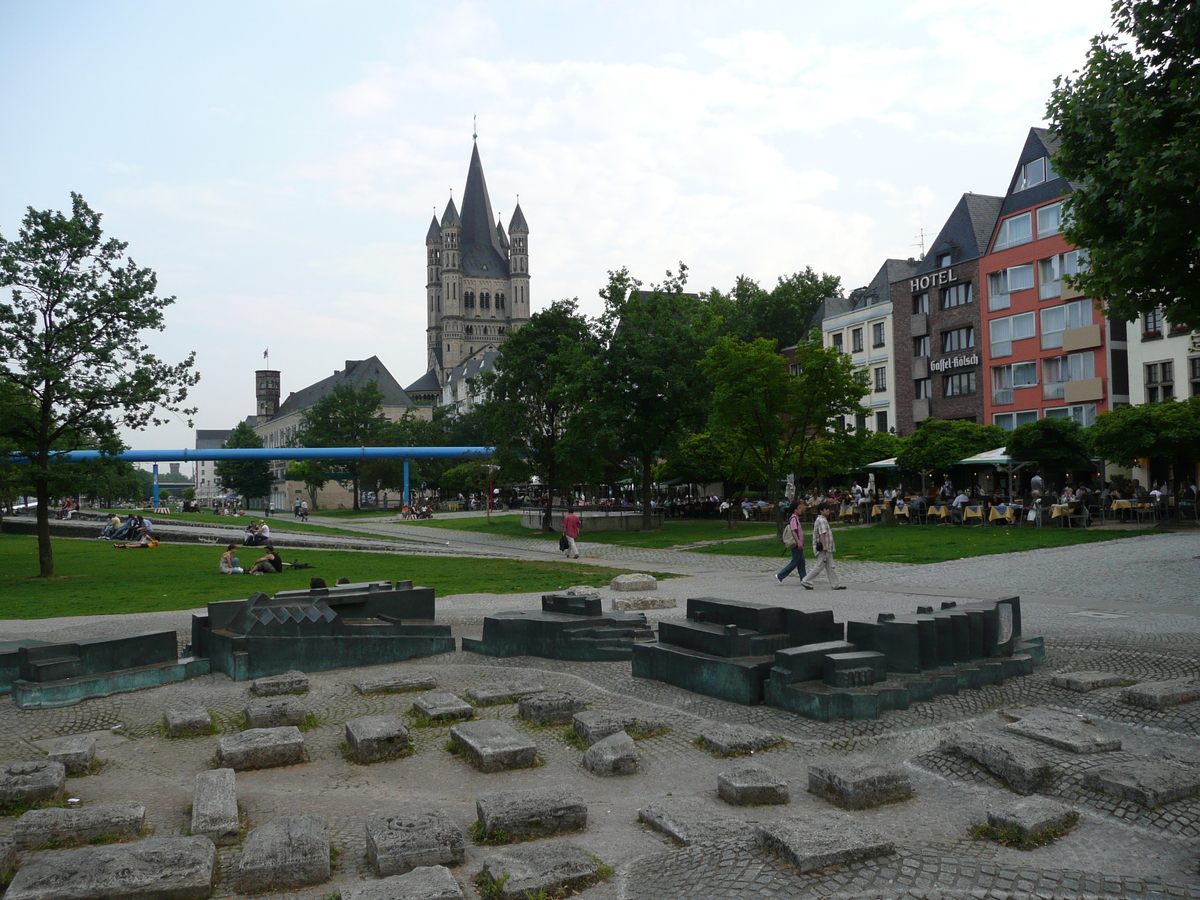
518 262
433 291
504 245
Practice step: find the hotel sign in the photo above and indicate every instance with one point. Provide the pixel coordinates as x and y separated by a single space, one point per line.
954 362
935 279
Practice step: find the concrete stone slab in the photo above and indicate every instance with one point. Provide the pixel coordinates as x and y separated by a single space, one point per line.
816 842
635 581
595 726
692 822
1032 816
858 782
495 692
492 746
550 708
75 753
29 782
8 859
423 883
1063 730
750 784
275 712
540 867
614 755
39 827
261 748
169 868
637 603
1083 682
400 683
443 707
294 682
290 852
214 806
737 740
1161 694
1010 759
371 739
1150 783
399 843
533 813
182 721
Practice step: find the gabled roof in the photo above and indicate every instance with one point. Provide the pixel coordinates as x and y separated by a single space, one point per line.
517 224
358 373
1038 143
482 255
877 291
501 235
450 218
212 438
966 233
434 235
426 383
480 361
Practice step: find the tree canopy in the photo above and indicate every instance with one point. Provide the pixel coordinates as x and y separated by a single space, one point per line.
346 417
940 443
782 315
1058 445
1168 430
250 478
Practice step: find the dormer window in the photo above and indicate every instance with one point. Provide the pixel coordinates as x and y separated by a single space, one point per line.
1033 173
944 259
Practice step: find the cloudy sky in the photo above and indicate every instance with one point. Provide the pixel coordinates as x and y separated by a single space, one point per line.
277 163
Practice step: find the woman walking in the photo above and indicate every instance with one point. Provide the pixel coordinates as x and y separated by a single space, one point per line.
797 533
822 551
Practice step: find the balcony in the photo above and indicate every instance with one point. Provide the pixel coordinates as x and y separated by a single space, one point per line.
1069 293
1053 390
998 301
921 409
1085 390
1050 290
1086 338
920 324
1002 396
920 367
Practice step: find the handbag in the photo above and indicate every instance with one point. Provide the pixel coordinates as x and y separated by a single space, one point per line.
562 543
819 547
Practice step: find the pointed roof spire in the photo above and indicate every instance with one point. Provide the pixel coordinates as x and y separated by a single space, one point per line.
483 256
518 224
434 235
500 233
450 218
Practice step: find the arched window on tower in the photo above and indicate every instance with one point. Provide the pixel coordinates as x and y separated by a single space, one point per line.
469 300
485 300
499 300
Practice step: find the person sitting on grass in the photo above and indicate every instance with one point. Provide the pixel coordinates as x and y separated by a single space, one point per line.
229 562
145 543
270 564
113 526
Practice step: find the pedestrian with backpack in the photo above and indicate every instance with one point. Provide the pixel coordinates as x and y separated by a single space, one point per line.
793 539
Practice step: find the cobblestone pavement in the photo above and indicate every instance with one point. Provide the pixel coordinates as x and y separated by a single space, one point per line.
1123 608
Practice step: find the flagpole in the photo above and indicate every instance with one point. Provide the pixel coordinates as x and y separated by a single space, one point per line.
267 357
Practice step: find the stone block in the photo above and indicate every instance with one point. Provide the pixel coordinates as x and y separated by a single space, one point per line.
293 682
75 753
1010 759
595 726
29 782
749 784
424 883
1086 681
495 692
492 746
261 748
399 843
443 707
372 739
39 827
816 842
570 604
614 755
635 582
691 822
287 853
637 603
737 740
275 712
533 813
1150 783
181 721
550 708
1161 694
858 782
170 868
1063 730
8 859
1032 816
525 871
806 662
400 683
214 806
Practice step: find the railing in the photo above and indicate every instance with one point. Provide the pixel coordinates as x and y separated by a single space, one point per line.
1050 290
1001 396
998 301
1053 390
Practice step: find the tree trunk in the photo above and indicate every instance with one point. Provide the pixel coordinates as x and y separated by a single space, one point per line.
354 481
647 516
548 515
45 551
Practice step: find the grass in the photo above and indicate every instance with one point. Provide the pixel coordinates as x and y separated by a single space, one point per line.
278 523
92 578
674 533
17 807
490 888
1010 837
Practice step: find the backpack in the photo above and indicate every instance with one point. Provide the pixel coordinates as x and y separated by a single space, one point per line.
789 537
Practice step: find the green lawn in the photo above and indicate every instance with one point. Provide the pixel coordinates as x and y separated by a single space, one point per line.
277 522
93 577
674 533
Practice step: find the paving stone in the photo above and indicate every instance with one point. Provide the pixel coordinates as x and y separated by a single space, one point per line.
261 748
692 822
181 721
376 738
1063 730
214 806
532 813
287 853
8 859
495 692
396 844
1032 816
735 740
858 782
550 708
816 842
492 746
637 603
1083 682
614 755
1150 783
635 581
293 682
1010 759
400 683
750 784
169 868
29 782
75 753
275 712
529 869
443 707
39 827
1161 694
422 883
595 726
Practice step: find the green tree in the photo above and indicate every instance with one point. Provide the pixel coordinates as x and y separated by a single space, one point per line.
939 443
1168 430
1057 445
346 417
71 342
312 473
249 478
782 314
1128 127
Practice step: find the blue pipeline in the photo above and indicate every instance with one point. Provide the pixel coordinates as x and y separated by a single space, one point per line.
342 453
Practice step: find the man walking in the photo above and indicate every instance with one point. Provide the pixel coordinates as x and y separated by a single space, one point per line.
822 551
570 529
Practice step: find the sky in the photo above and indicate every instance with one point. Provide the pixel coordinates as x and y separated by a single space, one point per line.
277 163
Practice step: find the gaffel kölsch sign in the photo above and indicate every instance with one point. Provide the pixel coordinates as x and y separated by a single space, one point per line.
954 362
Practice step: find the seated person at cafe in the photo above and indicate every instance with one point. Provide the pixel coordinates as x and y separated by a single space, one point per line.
960 502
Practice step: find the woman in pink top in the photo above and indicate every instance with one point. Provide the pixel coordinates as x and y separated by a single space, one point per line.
797 530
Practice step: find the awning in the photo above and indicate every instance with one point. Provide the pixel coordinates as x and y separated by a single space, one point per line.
883 464
997 457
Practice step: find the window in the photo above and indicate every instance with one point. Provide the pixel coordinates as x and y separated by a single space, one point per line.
960 385
860 422
1005 282
1005 379
956 295
1058 319
1152 324
837 342
1014 231
877 334
856 340
485 300
1033 173
1160 381
881 421
1010 420
1002 332
499 301
1049 219
958 339
920 304
469 300
921 346
922 389
1058 370
1194 375
944 259
1084 414
1051 271
881 379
